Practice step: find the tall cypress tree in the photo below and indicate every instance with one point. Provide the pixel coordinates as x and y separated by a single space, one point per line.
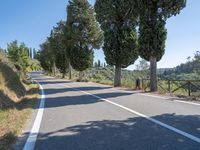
53 52
45 57
118 19
152 31
61 54
83 34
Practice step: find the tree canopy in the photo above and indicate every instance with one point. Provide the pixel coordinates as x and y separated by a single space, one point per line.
152 31
18 53
53 51
118 21
83 34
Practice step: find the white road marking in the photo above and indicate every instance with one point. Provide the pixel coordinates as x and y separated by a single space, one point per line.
169 98
154 96
191 103
185 134
30 142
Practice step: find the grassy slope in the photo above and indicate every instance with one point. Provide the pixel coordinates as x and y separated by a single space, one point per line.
17 101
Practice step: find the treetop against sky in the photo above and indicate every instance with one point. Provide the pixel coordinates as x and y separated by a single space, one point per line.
31 21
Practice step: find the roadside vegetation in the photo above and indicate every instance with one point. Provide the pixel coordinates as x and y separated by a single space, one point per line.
124 33
124 30
18 95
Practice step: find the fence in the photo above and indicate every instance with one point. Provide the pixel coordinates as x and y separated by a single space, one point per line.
180 87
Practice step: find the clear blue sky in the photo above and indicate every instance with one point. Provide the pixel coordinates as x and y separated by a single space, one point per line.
30 21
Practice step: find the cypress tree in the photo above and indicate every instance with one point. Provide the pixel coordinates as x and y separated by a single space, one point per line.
152 31
83 34
118 19
61 49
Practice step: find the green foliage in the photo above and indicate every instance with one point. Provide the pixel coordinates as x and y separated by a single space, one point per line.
10 84
81 58
62 60
53 52
196 62
45 57
1 50
18 53
185 71
118 21
33 65
83 34
120 37
112 13
4 59
120 48
152 32
163 9
152 38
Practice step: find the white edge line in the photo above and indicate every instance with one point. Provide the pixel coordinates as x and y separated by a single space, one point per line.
154 96
168 98
185 134
161 97
192 103
30 142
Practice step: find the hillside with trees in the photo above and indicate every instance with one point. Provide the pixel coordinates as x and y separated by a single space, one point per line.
185 71
18 95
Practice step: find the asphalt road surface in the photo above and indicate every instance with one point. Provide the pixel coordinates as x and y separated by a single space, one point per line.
89 116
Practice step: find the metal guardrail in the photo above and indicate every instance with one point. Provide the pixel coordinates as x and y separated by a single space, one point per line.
172 86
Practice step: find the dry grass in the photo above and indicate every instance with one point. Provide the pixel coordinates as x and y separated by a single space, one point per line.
17 100
13 117
11 88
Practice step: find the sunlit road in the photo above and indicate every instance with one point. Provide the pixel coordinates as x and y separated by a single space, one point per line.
89 116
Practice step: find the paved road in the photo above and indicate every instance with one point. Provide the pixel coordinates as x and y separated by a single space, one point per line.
89 116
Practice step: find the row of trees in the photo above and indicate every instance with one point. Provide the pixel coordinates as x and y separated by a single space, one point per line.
119 20
71 43
126 28
32 53
98 64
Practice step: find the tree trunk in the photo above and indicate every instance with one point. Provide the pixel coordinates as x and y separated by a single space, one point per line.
70 71
153 74
117 80
63 75
80 76
54 69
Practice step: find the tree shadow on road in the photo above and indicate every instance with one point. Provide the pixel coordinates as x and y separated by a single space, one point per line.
60 98
130 134
69 89
43 82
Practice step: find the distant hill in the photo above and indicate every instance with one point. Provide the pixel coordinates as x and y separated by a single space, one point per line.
162 70
185 71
